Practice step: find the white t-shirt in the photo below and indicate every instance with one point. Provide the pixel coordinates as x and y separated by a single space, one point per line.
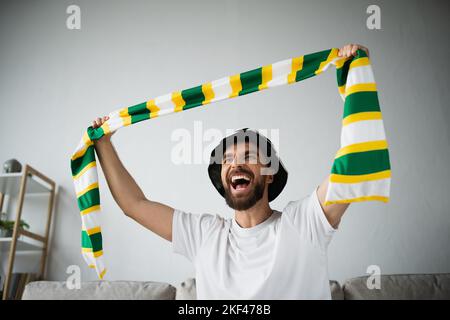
284 257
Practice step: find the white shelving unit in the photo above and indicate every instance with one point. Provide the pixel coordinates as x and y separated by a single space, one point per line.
22 245
10 184
29 182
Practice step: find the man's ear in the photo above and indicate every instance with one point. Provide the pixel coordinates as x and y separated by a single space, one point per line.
270 178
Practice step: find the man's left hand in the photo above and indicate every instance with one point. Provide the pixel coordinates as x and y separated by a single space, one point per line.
350 50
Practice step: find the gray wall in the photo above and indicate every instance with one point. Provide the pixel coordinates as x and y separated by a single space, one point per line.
54 81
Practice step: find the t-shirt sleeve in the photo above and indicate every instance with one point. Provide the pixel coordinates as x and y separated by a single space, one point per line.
189 231
309 219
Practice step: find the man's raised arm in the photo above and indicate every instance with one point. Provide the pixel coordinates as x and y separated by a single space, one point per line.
155 216
334 212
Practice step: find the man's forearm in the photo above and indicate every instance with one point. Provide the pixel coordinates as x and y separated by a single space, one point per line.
123 187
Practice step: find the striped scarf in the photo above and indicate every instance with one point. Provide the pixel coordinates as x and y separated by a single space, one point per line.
361 168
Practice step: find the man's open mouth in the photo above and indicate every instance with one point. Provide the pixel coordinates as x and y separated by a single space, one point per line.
240 181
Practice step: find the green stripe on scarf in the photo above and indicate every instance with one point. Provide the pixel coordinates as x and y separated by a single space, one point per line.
139 112
341 73
89 199
193 97
93 241
250 81
78 164
311 63
361 102
362 163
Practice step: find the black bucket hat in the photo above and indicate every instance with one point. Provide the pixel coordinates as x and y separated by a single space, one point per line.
263 144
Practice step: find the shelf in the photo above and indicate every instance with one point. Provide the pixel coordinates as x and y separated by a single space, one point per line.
10 184
27 244
21 245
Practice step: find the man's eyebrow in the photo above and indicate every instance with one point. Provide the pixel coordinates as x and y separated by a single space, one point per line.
247 152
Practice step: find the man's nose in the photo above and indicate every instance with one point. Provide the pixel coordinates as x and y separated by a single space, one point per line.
237 161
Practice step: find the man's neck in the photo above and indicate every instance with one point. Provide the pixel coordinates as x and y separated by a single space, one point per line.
254 215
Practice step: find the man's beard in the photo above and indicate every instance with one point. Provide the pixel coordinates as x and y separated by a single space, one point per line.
247 202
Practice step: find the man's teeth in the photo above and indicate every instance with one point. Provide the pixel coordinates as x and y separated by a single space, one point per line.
234 178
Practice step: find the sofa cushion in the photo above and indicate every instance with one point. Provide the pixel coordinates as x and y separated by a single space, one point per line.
186 290
99 290
400 287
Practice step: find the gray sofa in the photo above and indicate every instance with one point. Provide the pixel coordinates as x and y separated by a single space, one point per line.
403 286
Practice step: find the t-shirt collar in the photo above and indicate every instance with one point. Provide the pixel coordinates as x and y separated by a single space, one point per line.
252 230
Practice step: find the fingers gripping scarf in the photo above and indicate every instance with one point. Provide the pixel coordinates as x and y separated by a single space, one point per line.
361 168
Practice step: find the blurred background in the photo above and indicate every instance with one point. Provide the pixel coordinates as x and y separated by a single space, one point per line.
54 81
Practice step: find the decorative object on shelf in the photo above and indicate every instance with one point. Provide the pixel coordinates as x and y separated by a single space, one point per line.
7 227
12 165
3 231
